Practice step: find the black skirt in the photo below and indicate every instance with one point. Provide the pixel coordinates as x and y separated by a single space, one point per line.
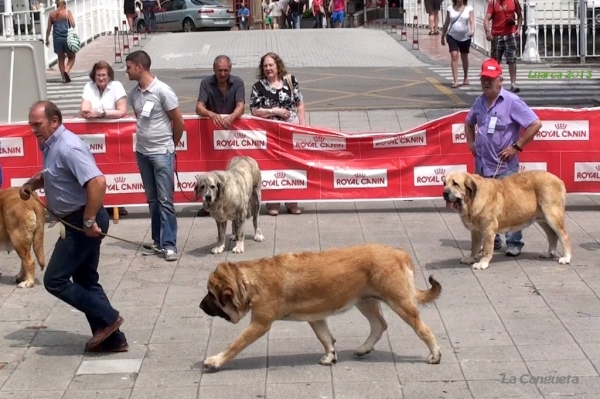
129 7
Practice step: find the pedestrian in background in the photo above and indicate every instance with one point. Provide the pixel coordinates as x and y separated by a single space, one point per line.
244 15
148 8
59 22
458 30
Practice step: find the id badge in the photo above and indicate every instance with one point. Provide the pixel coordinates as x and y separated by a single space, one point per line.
492 124
147 108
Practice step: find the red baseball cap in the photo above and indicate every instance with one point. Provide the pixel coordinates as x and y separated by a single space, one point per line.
490 69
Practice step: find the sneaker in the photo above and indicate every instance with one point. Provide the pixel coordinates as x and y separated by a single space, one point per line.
170 255
513 251
497 246
514 88
155 250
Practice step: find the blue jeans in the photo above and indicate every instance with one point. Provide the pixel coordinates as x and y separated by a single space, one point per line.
149 18
296 18
76 257
513 239
157 172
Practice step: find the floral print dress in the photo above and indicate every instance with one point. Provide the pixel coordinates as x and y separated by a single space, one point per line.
265 96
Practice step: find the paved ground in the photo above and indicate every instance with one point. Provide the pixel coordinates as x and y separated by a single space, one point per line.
353 69
522 318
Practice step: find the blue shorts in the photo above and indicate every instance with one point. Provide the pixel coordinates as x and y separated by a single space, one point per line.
60 45
337 16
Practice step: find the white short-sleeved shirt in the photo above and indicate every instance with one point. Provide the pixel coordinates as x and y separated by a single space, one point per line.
459 29
107 101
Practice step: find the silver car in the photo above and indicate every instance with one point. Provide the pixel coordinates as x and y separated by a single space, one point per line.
190 15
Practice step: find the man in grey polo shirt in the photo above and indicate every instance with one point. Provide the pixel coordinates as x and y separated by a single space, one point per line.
75 189
221 98
159 128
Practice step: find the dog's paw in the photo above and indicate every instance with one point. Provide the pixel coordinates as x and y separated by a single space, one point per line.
26 284
213 363
218 249
468 260
480 265
564 260
328 359
238 249
361 351
259 237
435 358
548 255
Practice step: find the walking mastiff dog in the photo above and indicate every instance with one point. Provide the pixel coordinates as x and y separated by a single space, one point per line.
233 194
489 206
311 286
21 227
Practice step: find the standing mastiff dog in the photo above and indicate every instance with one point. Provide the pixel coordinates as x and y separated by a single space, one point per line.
489 206
232 194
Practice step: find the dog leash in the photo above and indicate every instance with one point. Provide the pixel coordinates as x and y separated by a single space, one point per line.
140 244
179 182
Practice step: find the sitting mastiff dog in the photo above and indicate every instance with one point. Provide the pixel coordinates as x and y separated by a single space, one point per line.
232 194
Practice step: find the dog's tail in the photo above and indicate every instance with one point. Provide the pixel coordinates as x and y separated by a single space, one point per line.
38 236
426 296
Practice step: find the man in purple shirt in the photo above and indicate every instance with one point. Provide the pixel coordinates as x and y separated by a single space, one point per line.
499 115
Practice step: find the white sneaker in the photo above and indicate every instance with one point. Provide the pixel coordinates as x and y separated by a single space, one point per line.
513 251
170 255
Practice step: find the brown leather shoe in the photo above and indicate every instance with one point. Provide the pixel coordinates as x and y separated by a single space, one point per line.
122 347
273 210
104 333
294 210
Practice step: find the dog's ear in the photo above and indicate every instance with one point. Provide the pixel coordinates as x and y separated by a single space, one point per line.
225 296
471 187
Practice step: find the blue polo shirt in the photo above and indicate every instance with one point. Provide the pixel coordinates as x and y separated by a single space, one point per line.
68 166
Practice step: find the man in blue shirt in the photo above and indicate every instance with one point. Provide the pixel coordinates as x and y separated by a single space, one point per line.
499 115
244 15
74 189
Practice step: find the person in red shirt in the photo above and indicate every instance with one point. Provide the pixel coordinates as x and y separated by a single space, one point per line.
505 29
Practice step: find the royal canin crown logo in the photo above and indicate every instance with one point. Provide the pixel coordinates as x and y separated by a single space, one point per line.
440 171
319 138
521 168
239 135
119 179
357 175
560 126
279 175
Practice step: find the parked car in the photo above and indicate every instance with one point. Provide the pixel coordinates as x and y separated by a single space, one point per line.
190 15
593 11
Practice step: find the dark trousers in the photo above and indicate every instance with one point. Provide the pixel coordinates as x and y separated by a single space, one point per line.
77 257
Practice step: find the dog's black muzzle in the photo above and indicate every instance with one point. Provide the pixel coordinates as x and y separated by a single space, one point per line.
210 306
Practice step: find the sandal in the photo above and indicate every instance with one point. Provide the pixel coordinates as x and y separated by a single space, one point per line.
454 85
431 33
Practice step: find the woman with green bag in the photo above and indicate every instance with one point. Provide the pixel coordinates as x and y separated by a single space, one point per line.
59 22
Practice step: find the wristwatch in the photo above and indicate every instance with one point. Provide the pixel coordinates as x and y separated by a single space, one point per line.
89 223
515 145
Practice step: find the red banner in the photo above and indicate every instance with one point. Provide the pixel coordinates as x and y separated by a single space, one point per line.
301 163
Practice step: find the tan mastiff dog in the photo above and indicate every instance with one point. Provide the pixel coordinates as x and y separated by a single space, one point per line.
311 286
489 206
21 227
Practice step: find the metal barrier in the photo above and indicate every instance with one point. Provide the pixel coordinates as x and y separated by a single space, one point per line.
92 19
118 52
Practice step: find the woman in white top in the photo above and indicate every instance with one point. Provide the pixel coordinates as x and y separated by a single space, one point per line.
104 97
459 28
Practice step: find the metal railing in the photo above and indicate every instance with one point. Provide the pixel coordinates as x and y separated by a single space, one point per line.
553 28
92 19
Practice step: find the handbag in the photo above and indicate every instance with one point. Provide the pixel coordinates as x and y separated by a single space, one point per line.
73 42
